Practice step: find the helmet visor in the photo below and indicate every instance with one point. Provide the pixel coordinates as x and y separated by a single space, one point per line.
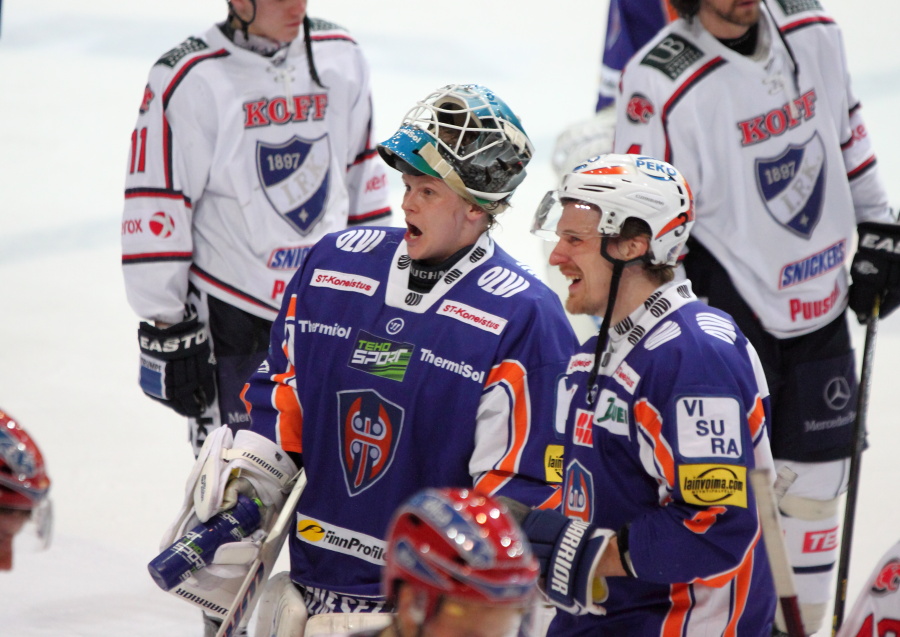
555 218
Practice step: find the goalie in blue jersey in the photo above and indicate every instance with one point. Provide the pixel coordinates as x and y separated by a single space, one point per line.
401 359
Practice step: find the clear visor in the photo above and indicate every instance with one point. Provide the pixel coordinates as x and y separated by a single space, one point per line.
555 218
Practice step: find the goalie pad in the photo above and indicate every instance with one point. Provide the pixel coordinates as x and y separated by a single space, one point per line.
343 623
226 465
281 611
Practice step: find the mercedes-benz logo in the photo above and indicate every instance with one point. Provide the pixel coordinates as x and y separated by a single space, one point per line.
837 393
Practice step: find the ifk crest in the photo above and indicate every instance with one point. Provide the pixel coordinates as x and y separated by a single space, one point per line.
294 178
792 186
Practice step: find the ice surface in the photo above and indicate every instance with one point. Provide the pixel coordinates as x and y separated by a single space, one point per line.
71 79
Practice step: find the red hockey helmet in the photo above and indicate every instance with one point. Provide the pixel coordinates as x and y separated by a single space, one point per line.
23 478
459 544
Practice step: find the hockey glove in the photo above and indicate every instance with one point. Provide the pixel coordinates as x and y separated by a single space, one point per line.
875 271
177 366
568 552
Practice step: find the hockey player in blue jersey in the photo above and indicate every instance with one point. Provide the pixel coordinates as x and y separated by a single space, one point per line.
404 359
667 413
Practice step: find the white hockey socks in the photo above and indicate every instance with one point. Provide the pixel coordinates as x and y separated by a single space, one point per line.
811 534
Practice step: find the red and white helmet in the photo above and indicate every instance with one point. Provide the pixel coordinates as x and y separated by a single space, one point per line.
459 544
623 187
24 483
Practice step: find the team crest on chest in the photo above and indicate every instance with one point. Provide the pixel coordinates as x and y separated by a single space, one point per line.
792 185
294 178
369 429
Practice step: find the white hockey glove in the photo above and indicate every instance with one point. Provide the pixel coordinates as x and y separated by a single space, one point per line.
584 139
228 465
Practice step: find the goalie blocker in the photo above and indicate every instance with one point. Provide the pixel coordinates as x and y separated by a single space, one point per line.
230 466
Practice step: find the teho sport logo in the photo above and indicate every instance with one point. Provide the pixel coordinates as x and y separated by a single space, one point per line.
381 357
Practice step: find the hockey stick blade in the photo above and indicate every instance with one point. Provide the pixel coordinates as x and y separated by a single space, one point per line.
776 549
261 568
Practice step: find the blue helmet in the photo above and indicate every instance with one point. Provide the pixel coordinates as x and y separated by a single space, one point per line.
467 136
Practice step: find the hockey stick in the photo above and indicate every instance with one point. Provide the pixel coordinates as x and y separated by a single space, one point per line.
859 442
261 567
776 549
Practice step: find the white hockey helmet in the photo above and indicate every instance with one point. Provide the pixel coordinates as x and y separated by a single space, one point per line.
467 136
623 187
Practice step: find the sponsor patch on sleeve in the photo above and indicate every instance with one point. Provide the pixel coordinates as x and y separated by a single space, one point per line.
553 463
709 427
709 484
673 55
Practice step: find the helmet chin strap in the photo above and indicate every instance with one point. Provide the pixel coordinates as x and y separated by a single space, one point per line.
603 335
245 24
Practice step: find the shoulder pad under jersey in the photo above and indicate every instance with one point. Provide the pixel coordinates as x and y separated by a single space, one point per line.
318 24
673 55
790 7
191 45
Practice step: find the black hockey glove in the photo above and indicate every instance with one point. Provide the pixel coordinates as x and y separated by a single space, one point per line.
876 270
568 552
177 366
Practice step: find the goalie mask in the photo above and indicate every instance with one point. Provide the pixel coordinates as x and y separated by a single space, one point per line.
620 187
467 136
458 544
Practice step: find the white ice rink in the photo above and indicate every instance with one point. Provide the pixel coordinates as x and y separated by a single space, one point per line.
71 79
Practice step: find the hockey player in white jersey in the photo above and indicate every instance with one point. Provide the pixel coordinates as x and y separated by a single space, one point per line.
402 359
752 101
876 611
252 142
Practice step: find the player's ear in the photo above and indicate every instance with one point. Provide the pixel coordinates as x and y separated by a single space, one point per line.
634 247
476 212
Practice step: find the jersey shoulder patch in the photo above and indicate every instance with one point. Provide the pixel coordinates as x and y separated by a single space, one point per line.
191 45
790 7
318 24
672 55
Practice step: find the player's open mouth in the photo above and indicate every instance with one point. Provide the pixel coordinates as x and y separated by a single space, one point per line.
413 231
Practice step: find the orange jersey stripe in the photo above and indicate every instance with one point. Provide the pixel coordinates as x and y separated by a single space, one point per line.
648 418
741 593
756 418
673 624
703 520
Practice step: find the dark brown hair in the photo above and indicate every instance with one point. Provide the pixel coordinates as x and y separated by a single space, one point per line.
686 9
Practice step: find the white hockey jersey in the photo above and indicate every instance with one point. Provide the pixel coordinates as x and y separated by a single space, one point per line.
774 150
239 163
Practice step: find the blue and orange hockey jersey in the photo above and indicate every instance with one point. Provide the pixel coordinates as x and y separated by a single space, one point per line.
385 391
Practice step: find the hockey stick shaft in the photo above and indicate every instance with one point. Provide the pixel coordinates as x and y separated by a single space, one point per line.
776 549
859 442
261 567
